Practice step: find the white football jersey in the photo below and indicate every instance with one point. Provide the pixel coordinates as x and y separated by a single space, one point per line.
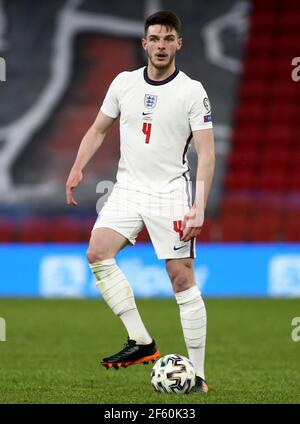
156 123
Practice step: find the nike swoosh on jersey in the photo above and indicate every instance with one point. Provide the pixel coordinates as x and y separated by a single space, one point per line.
147 113
177 248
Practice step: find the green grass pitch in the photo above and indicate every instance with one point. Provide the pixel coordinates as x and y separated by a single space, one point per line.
54 347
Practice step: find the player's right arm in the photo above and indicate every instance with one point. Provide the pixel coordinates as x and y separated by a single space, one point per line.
88 147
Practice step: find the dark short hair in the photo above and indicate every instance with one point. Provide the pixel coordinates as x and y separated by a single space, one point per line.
166 18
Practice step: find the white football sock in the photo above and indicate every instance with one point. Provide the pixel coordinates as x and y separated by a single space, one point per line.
118 294
193 321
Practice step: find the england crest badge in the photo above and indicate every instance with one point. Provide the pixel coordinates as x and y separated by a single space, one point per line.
150 101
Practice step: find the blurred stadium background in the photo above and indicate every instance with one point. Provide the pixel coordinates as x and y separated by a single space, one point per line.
61 57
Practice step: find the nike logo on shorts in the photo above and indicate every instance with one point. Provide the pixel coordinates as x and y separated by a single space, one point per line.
177 248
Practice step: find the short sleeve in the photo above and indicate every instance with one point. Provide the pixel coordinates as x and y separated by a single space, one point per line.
110 105
199 109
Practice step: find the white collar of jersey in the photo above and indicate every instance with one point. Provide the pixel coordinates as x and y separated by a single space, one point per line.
165 81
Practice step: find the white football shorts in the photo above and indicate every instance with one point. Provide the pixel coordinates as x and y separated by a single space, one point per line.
127 211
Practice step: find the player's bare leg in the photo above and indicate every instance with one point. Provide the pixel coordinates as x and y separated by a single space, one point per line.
192 314
105 243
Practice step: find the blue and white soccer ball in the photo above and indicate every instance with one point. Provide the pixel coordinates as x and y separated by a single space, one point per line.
173 374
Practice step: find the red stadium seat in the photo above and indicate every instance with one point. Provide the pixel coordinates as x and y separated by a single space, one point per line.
276 159
290 21
7 230
264 161
295 162
263 7
264 231
65 230
250 112
272 180
257 69
266 215
294 181
262 22
246 135
289 43
207 231
241 180
277 114
292 231
241 158
256 90
277 135
292 216
286 88
34 230
234 229
259 46
266 223
240 205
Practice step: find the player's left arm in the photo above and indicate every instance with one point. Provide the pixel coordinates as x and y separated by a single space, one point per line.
204 145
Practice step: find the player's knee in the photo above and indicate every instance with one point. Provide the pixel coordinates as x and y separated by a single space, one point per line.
91 255
95 254
179 278
181 275
180 282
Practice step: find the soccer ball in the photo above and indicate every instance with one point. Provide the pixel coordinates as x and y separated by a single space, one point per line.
173 374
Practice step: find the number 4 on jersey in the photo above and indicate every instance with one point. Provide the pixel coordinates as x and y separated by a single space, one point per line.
147 131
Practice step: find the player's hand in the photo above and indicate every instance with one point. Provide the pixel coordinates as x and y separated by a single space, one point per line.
192 224
73 181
